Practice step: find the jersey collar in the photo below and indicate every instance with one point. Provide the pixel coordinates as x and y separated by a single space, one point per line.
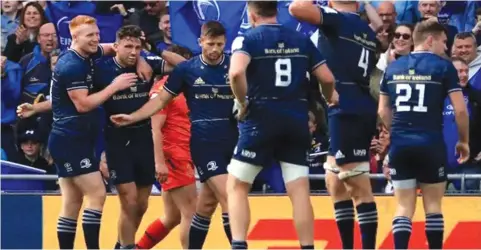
76 53
206 64
118 64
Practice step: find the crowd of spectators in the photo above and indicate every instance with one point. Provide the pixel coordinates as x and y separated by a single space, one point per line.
30 47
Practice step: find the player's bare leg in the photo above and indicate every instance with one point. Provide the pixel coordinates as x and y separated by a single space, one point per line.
355 176
432 201
205 208
296 178
343 205
143 194
72 199
127 225
185 198
406 197
218 185
239 182
93 188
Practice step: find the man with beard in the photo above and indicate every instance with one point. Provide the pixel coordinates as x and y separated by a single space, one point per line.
203 80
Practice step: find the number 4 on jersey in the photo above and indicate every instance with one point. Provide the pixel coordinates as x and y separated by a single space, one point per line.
364 61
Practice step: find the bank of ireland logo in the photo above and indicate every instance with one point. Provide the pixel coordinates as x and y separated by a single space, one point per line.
207 10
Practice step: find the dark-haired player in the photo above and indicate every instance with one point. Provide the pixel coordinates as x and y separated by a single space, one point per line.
203 80
269 64
349 44
129 150
413 91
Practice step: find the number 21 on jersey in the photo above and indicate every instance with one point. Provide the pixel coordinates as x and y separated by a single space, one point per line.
404 93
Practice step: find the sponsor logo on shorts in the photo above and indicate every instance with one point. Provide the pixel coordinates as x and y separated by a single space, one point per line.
67 166
359 152
248 154
339 155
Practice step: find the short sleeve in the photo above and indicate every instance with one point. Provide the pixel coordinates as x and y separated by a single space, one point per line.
384 88
175 83
157 63
241 44
316 59
330 18
72 76
451 79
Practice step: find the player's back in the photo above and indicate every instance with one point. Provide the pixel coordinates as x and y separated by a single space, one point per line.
276 75
71 73
349 46
417 85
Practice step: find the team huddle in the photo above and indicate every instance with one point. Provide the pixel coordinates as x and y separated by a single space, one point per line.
231 115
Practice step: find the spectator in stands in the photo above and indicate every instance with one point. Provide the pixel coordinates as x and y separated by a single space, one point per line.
10 97
148 20
31 148
385 36
36 65
402 44
473 101
460 14
387 12
429 9
23 41
379 149
465 47
10 12
406 11
164 26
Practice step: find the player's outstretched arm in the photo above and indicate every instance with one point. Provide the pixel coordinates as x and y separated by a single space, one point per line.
27 110
171 59
374 18
152 106
157 122
385 110
84 102
306 11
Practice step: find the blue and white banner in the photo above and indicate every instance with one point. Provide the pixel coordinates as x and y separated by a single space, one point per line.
187 17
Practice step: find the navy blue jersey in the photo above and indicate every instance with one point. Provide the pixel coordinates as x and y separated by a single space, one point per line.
417 85
72 72
131 99
276 75
349 45
209 98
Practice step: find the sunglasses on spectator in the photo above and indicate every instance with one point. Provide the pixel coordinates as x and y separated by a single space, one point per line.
404 36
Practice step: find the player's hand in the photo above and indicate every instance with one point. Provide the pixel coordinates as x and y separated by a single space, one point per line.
462 149
144 70
161 172
25 110
124 81
241 109
334 99
121 120
104 169
385 168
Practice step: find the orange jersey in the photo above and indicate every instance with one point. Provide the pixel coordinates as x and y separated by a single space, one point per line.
176 129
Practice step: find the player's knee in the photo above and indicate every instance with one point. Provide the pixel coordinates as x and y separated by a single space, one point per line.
71 206
358 170
292 172
243 171
142 206
96 199
336 188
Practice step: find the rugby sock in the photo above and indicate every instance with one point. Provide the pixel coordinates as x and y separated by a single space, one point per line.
225 221
401 229
66 229
307 247
198 231
128 247
344 212
239 244
117 245
154 233
435 230
91 225
367 217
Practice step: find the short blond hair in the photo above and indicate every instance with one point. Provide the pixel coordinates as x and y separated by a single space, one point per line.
79 20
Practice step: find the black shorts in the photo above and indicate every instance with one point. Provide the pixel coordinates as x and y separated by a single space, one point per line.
130 155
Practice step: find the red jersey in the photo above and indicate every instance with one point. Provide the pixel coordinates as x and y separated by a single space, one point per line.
176 129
